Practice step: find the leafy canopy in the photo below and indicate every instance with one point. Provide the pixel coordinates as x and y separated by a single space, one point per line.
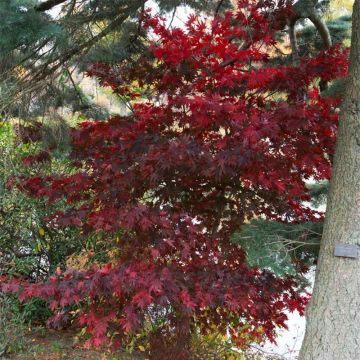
215 137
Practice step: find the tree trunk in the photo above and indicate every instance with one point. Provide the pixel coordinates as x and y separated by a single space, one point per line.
333 317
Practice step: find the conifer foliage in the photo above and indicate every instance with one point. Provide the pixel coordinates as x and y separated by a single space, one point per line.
215 137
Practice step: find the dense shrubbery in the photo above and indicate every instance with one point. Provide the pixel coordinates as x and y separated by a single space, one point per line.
28 246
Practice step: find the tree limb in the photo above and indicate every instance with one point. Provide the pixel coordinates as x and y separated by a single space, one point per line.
305 9
84 47
293 41
218 8
322 29
47 5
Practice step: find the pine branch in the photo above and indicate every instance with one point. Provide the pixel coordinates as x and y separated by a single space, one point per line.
48 5
47 69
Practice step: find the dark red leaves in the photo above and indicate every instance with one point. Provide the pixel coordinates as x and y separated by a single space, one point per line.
42 156
142 299
224 138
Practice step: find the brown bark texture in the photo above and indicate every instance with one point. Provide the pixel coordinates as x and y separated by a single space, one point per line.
333 316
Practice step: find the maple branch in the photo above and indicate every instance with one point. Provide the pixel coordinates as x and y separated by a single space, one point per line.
324 33
172 18
245 46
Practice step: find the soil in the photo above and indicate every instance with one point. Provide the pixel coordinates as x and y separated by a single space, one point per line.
45 344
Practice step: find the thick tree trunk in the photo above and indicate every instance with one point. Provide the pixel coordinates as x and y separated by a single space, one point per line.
333 317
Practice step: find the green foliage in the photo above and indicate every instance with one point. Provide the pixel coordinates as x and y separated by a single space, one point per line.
15 319
127 43
12 326
36 48
200 5
28 246
21 25
282 248
217 346
309 40
340 28
319 192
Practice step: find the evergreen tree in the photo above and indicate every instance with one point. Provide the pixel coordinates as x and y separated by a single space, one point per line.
37 46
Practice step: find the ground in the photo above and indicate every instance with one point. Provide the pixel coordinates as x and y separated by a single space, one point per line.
45 344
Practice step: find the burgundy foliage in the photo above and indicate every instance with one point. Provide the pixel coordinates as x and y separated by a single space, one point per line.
222 137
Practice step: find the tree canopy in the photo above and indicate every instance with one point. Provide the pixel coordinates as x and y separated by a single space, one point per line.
215 137
41 40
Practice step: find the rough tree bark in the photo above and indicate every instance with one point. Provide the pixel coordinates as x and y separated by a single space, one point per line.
333 317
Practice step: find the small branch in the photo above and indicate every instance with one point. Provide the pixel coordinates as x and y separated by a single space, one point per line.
48 5
84 47
218 8
78 93
293 41
172 17
71 8
322 29
324 33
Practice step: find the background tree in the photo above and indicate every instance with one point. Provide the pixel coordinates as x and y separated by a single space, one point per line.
333 322
38 47
43 40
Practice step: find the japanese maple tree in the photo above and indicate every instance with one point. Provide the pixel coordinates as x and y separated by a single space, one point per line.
217 135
